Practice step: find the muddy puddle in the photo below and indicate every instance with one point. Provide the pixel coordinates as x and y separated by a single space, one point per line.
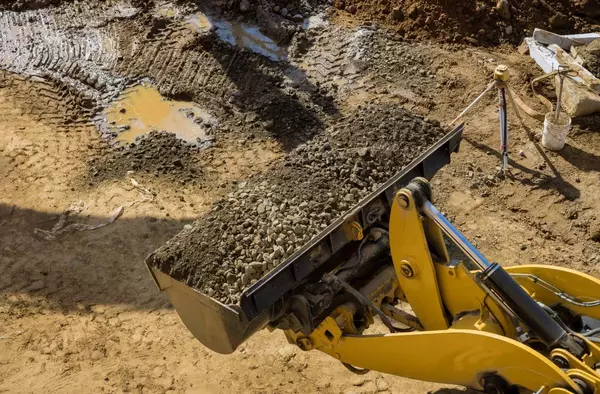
241 34
141 109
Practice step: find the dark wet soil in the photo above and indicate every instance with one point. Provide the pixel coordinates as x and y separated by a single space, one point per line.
157 154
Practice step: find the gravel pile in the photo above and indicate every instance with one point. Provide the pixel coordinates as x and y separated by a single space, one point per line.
156 154
273 214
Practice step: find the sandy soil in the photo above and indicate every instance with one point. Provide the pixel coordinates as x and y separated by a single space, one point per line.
81 313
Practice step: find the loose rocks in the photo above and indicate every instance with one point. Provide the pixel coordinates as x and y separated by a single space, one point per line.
155 154
264 220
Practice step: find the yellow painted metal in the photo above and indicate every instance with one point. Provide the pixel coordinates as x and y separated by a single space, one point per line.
480 320
501 73
461 293
408 247
353 230
575 363
459 357
584 286
478 341
592 379
593 356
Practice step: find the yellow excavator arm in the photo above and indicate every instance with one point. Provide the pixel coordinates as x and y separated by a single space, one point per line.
492 329
449 314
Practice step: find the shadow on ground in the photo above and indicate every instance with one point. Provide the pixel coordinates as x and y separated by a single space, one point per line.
291 108
581 159
79 269
531 177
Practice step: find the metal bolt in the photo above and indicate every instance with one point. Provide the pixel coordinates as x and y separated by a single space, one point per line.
560 362
407 270
304 343
403 201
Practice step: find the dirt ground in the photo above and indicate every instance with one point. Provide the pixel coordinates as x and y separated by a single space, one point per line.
80 313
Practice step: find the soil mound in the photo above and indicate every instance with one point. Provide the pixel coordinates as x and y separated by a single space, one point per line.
476 22
154 154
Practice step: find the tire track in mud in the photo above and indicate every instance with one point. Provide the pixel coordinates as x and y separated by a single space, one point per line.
189 65
48 134
72 43
336 56
98 50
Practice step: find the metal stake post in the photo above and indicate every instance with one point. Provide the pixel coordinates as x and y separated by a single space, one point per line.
500 81
501 76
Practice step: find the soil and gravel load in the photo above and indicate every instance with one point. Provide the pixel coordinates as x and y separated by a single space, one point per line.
273 214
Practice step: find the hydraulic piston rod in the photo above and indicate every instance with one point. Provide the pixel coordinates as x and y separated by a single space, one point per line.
465 246
496 278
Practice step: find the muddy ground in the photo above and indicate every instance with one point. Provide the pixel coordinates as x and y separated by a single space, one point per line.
81 313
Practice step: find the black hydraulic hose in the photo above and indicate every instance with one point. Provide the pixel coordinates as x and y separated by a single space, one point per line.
592 332
528 310
371 305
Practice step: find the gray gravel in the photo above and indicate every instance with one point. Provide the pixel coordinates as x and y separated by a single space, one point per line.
268 217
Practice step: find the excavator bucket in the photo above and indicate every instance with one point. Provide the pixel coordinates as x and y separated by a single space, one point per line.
222 328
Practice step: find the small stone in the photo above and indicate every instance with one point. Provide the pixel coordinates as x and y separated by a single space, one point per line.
283 12
397 14
276 8
275 255
260 209
298 18
231 278
298 230
523 48
382 385
352 9
363 152
287 353
413 11
249 270
508 30
244 5
245 279
593 48
471 40
503 9
559 21
595 231
523 246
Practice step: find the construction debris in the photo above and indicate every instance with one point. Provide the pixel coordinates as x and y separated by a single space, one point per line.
566 41
581 89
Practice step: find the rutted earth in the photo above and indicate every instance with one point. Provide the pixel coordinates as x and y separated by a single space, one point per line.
81 313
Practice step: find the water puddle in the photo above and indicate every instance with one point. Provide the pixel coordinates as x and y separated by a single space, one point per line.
141 109
241 34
